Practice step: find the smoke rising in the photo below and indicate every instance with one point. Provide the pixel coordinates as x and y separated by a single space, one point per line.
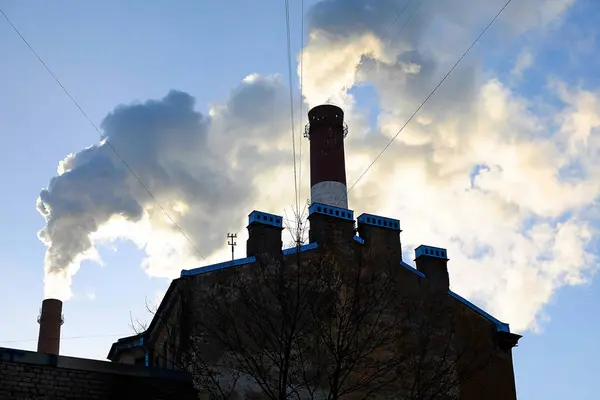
194 166
480 170
477 170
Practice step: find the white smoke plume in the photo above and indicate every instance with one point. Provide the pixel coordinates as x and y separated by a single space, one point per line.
197 167
476 171
509 184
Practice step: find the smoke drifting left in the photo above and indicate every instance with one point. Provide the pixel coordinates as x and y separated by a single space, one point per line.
185 159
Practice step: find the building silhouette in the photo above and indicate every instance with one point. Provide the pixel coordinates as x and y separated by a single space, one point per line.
367 243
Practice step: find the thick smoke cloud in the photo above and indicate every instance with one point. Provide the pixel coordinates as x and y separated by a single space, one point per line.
507 183
197 167
477 170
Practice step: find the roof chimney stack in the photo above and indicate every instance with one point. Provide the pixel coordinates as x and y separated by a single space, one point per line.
326 131
264 234
50 320
433 262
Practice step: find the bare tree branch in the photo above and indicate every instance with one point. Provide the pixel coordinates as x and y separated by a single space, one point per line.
315 325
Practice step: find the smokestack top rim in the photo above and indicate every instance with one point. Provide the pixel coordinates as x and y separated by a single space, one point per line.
52 304
326 110
52 300
51 308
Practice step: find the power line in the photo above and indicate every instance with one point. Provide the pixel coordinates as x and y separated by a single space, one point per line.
390 28
398 15
289 60
410 17
430 95
301 94
291 87
69 338
100 133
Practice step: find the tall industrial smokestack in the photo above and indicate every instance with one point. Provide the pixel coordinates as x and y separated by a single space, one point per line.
50 320
326 131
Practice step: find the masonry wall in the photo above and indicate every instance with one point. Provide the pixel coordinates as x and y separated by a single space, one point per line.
462 341
30 375
495 379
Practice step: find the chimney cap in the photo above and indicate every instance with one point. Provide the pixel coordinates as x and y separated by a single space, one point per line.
265 219
430 251
326 113
336 212
52 301
51 307
379 221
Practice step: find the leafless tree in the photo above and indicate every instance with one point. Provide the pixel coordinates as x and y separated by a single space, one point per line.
318 326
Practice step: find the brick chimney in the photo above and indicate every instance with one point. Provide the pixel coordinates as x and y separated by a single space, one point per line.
329 224
264 234
433 262
381 235
50 320
329 216
326 131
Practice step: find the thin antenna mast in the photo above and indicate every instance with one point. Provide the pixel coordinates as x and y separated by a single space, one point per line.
231 242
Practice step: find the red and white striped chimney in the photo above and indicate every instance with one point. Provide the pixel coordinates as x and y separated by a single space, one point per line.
326 131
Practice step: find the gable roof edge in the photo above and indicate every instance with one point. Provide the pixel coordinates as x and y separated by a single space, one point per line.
500 326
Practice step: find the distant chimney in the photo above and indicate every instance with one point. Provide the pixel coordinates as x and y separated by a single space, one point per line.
50 320
326 131
433 262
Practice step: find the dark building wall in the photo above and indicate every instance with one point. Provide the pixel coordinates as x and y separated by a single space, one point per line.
331 232
263 239
492 378
382 241
29 375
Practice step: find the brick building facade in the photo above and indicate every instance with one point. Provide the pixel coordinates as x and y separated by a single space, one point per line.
368 247
26 375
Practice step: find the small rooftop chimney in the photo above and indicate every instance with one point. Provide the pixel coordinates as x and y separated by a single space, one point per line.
433 262
264 234
50 320
381 234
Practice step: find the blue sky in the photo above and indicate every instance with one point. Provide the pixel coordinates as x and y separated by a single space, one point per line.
91 58
110 53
